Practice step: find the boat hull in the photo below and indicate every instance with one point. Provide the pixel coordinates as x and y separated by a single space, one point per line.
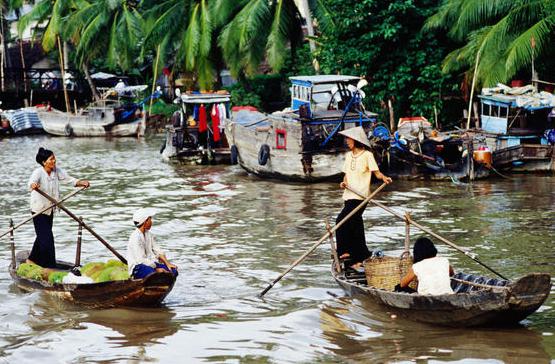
525 158
496 307
286 159
63 124
146 292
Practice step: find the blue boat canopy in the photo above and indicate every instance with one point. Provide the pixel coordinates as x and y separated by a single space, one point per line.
321 79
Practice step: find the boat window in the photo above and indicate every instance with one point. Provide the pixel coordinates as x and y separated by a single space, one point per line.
281 139
504 112
486 109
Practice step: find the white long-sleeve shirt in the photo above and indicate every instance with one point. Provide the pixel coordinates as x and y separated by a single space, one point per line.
49 184
141 249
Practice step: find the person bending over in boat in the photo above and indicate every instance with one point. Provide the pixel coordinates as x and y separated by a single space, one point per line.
47 178
358 168
433 272
143 254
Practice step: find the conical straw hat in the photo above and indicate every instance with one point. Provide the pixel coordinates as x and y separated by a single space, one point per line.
357 134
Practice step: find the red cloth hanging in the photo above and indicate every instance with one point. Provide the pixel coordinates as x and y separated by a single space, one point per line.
202 124
215 114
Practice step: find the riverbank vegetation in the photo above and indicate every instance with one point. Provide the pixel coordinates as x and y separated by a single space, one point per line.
416 55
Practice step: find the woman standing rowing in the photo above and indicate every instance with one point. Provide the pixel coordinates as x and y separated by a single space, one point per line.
47 178
358 168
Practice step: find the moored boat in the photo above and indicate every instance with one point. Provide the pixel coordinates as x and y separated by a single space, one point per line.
518 126
197 133
149 291
301 143
477 301
108 117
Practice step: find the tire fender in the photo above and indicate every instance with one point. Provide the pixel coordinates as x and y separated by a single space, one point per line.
234 154
263 154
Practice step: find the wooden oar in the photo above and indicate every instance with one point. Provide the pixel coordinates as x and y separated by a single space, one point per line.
41 211
80 221
429 231
322 239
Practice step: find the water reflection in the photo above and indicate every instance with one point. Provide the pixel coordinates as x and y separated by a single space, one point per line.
364 332
231 233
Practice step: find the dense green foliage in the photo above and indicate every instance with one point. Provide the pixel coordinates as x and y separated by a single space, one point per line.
502 36
384 44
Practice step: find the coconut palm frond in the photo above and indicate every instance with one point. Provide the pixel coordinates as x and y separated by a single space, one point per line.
323 15
520 51
191 39
475 13
227 40
205 39
225 10
277 39
40 12
446 15
169 21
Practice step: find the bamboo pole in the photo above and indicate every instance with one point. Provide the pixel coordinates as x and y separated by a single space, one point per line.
326 235
333 248
87 227
472 88
12 244
61 53
41 211
79 239
154 79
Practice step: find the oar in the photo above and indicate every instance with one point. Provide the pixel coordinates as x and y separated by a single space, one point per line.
429 231
41 211
323 238
80 221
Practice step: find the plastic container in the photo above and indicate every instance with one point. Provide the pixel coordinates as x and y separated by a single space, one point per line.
483 156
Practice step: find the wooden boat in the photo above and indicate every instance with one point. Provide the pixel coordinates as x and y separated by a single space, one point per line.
416 151
149 291
518 126
119 117
301 143
184 142
477 301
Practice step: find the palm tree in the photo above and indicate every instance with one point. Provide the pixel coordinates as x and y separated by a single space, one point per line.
500 37
182 30
263 29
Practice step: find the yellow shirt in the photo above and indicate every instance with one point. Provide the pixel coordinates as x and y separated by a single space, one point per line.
358 170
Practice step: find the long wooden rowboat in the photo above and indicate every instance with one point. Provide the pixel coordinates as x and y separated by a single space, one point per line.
149 291
477 301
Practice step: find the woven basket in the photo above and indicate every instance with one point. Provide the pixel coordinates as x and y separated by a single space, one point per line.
386 272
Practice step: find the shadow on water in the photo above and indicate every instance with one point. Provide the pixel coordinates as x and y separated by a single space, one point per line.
363 332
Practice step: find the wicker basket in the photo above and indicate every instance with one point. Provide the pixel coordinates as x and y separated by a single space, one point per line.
386 272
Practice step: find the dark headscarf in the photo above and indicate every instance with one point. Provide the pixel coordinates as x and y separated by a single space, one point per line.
43 155
423 249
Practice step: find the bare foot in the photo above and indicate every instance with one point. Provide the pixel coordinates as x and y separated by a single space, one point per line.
345 255
356 266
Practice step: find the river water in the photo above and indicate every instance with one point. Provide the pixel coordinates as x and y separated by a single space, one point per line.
230 234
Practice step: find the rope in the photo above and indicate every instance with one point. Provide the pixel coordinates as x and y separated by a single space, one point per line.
499 173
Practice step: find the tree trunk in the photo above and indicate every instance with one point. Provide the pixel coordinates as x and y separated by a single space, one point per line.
310 31
90 81
391 115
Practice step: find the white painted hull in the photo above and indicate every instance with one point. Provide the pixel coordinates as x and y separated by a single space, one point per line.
284 163
64 124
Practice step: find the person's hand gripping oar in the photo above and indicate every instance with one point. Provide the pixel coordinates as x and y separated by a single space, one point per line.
322 239
87 227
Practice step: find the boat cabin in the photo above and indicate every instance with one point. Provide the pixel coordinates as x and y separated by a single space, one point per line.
519 118
197 132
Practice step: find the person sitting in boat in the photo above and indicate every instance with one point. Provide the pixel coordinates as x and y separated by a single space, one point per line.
358 168
47 178
143 254
433 272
